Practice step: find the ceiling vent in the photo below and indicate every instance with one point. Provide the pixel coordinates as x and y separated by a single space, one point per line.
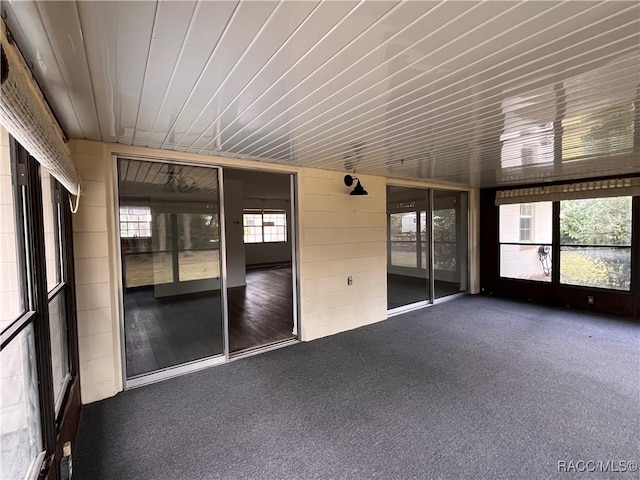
26 116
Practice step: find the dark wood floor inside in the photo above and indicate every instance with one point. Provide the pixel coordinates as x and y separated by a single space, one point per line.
262 312
164 332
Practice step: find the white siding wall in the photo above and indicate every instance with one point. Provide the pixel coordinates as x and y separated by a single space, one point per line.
339 235
93 236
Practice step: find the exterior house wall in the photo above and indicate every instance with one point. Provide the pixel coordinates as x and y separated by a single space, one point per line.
338 235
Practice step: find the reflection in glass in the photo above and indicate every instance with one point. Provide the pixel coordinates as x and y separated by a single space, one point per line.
407 260
59 346
170 241
10 294
450 241
20 435
50 215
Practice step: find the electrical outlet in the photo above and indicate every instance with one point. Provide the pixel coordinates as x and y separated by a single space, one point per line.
590 299
349 280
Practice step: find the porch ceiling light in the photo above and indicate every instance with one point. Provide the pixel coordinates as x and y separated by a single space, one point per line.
358 190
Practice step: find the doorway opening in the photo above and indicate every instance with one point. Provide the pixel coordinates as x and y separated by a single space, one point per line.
260 259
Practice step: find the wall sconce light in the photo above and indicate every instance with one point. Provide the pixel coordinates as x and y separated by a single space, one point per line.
358 190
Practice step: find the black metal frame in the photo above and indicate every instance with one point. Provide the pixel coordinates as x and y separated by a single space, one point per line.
612 301
31 258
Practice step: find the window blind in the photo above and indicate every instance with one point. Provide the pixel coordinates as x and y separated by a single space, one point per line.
571 191
26 116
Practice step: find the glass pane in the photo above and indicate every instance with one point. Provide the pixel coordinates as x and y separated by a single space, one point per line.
10 292
404 254
59 348
198 243
199 264
20 437
407 262
171 265
596 221
529 262
450 240
50 214
526 223
147 261
602 267
444 256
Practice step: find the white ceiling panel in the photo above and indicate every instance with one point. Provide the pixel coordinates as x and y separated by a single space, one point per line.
240 35
170 31
100 19
479 93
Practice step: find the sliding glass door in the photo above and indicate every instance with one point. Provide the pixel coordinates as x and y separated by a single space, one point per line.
427 246
407 247
450 242
170 235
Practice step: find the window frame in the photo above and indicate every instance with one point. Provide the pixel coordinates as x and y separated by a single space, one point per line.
556 245
577 246
261 235
55 414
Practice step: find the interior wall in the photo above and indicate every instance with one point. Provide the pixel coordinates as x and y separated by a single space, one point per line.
234 233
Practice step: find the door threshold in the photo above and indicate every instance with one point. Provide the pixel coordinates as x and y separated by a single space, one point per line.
250 352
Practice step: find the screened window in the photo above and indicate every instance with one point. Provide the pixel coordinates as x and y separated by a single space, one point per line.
525 241
595 242
264 226
135 222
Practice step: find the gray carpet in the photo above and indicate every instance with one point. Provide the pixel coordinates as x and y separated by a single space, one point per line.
476 388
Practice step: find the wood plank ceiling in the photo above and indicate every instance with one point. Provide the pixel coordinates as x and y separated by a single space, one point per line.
473 92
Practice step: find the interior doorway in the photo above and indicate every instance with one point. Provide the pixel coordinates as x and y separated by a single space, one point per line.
260 259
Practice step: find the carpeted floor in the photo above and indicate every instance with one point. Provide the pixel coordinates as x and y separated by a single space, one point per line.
476 388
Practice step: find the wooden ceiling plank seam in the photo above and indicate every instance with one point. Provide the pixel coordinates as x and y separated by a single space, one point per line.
64 79
387 138
384 80
233 69
146 69
475 86
213 52
414 146
175 66
86 56
386 93
441 27
262 68
262 28
389 129
322 39
298 102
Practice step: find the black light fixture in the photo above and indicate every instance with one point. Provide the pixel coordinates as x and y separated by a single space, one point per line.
358 190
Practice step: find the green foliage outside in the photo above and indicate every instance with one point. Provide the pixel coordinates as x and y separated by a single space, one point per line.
602 221
597 221
578 269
